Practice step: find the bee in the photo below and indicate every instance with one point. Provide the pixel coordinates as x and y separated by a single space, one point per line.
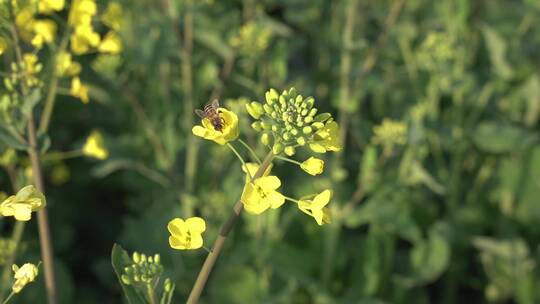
211 112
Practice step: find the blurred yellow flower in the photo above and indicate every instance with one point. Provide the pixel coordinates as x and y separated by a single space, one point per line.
326 139
261 194
3 45
186 234
313 166
316 207
22 204
65 65
252 168
390 132
49 6
8 157
228 133
24 275
44 31
111 43
81 12
94 146
112 17
83 39
79 90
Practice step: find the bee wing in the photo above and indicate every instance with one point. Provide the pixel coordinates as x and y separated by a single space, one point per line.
200 113
215 104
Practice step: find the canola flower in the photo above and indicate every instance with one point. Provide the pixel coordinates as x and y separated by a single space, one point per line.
229 132
65 66
50 6
316 207
21 205
95 147
390 133
113 16
313 166
44 32
145 269
79 90
186 234
261 194
111 43
27 273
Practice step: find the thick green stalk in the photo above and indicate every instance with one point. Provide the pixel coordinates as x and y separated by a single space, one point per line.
212 257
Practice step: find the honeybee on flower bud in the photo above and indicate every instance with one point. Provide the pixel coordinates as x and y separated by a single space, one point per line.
211 112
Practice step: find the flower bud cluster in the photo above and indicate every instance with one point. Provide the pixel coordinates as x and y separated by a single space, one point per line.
287 120
145 269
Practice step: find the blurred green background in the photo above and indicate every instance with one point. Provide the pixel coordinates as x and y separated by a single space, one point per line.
448 215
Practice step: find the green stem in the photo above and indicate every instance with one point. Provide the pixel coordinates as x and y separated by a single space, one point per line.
289 160
8 298
151 294
241 159
253 154
212 257
56 156
291 199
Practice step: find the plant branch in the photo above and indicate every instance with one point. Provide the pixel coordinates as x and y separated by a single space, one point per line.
212 257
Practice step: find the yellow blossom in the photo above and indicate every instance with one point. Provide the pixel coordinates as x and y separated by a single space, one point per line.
111 43
3 45
326 139
313 166
79 90
112 17
49 6
390 132
186 234
316 207
65 65
252 168
228 133
8 157
24 20
261 194
24 275
44 31
81 12
22 204
94 146
83 39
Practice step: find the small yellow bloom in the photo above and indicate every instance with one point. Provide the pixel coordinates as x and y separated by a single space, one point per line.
186 234
261 194
316 207
94 146
65 65
313 166
49 6
83 39
79 90
8 157
44 31
252 168
228 133
112 17
24 275
390 132
111 43
327 138
3 45
22 204
81 12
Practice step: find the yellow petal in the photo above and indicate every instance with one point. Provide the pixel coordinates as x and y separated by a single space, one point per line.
276 199
322 199
317 148
196 242
22 212
268 182
176 226
199 131
317 215
176 243
196 224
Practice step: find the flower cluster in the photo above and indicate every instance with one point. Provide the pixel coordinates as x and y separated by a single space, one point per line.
288 121
25 274
252 39
145 269
390 133
21 205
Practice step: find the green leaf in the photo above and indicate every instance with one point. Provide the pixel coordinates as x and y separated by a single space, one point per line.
121 259
498 138
7 138
497 52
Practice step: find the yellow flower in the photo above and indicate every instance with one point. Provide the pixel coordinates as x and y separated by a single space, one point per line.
24 20
83 39
228 133
390 132
94 146
3 45
313 166
261 194
44 31
252 168
22 204
81 12
316 207
186 234
49 6
111 43
113 16
8 157
326 139
79 90
24 275
65 66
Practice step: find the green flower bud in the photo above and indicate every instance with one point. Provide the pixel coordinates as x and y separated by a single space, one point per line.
308 119
277 148
298 100
271 96
317 125
257 126
125 279
300 124
292 92
312 112
255 109
304 112
266 125
275 128
143 258
136 257
294 132
167 285
301 141
307 130
282 100
322 117
144 278
309 102
290 151
157 258
286 136
136 278
268 109
265 139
